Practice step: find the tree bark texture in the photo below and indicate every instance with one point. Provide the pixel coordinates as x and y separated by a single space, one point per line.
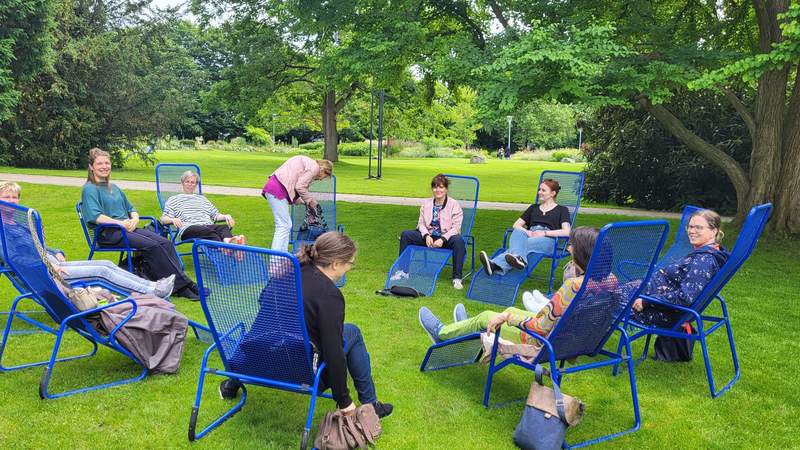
329 130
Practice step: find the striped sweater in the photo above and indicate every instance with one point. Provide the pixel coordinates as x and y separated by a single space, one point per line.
191 209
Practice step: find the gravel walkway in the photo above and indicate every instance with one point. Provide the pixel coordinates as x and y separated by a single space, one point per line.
354 198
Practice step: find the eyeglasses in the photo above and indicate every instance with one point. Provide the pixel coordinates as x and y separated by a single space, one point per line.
189 182
698 227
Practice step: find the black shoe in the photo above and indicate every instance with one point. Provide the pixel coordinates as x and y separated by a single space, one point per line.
383 409
187 292
229 389
515 261
196 289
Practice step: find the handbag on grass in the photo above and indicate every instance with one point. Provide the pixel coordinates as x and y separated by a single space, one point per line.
340 431
81 298
546 417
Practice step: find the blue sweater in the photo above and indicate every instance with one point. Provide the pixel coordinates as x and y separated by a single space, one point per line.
680 283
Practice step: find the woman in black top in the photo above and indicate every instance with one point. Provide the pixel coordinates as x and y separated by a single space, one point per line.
331 256
534 232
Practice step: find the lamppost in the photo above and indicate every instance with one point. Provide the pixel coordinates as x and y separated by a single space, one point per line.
508 149
273 130
580 136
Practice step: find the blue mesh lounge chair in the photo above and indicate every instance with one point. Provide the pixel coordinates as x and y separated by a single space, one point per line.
454 352
324 192
503 289
168 183
680 246
94 247
21 288
423 264
696 313
258 326
21 255
597 310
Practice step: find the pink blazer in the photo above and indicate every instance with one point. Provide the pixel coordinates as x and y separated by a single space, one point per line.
296 174
450 218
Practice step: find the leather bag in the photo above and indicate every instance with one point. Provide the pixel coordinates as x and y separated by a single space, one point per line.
347 431
546 417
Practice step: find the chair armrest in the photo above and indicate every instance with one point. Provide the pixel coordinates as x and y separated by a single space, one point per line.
104 226
657 301
128 317
154 221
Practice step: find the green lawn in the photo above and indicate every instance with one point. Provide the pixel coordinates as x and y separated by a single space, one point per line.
439 410
501 180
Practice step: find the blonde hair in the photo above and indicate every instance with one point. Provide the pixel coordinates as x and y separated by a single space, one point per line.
187 174
714 221
325 167
328 248
10 186
95 153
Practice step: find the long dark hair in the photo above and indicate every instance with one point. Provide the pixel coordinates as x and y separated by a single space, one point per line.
582 240
329 248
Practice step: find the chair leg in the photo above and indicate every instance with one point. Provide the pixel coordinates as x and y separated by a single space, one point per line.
193 435
707 361
48 371
309 418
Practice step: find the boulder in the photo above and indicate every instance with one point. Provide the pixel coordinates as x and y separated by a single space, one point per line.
477 159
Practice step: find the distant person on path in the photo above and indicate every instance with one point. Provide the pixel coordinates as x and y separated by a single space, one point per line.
104 270
439 226
289 183
194 215
104 203
534 232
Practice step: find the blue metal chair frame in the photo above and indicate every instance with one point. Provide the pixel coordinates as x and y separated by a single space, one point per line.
283 268
163 195
94 247
412 252
561 344
19 285
745 243
455 352
559 245
21 255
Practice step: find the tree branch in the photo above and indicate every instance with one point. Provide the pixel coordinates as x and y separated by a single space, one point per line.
742 110
343 100
498 14
734 171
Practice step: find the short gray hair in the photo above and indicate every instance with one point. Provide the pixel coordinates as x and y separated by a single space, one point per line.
10 186
187 174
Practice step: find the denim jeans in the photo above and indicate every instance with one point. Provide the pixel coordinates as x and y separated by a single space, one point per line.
358 364
283 223
520 244
107 271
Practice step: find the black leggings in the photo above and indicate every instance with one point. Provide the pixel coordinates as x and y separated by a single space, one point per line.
159 253
210 232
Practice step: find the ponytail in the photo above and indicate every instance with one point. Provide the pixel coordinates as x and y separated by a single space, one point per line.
328 248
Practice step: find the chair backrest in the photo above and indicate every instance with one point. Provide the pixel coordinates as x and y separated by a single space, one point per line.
745 243
680 246
168 180
621 264
465 190
324 192
21 255
87 233
571 189
255 315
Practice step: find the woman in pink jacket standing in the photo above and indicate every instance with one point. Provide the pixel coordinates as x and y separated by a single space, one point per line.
439 226
289 184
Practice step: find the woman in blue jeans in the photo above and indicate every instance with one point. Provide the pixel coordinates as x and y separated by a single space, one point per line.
332 255
535 231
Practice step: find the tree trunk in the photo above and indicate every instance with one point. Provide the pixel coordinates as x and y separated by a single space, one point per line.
329 126
786 215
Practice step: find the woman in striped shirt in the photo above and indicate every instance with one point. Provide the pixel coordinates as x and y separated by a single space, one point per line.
194 215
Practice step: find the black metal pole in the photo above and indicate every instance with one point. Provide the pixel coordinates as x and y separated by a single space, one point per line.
371 107
380 133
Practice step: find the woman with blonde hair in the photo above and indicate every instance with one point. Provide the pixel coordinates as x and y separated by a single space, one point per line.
104 203
289 183
681 282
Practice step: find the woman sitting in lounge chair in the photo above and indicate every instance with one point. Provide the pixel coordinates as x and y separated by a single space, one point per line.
194 215
582 241
681 282
534 232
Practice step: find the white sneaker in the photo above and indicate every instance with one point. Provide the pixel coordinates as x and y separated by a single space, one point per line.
457 284
399 275
534 301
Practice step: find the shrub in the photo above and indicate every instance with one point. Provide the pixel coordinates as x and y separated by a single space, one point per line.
571 153
257 135
354 148
312 146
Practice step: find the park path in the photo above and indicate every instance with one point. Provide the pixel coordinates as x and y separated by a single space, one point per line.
353 198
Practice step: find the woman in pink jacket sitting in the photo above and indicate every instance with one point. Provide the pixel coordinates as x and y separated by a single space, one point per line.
289 184
439 226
